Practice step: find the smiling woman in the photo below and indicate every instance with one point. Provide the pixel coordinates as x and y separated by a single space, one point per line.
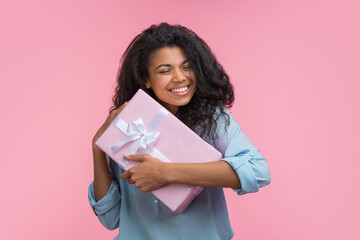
171 78
176 67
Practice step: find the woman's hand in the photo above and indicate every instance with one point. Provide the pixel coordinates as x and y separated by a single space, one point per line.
107 123
149 175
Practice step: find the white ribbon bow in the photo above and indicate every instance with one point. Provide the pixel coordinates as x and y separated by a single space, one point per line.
136 133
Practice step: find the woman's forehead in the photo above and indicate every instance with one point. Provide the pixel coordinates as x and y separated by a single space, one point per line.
167 55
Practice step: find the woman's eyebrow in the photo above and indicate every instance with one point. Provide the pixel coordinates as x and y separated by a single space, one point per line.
163 65
186 60
169 65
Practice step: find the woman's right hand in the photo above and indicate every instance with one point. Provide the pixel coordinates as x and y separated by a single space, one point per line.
107 123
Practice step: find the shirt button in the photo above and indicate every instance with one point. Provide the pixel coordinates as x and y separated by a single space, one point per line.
251 154
155 201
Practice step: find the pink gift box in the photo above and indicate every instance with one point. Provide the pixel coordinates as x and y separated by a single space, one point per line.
145 127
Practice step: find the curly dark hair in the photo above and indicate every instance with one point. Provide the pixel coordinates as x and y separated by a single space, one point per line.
213 90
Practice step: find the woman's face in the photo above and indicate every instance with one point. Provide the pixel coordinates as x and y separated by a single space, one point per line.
171 78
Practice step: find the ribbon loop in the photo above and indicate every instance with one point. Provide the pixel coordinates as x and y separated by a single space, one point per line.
137 133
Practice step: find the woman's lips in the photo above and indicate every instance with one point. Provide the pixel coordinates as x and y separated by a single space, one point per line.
180 91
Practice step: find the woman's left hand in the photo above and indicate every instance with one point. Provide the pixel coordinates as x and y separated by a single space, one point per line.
148 175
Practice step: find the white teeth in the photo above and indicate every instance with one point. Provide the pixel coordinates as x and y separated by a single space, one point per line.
179 90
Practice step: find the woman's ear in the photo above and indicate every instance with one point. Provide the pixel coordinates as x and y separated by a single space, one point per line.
147 83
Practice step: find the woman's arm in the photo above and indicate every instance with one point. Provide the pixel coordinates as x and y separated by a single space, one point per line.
153 173
102 178
211 174
104 193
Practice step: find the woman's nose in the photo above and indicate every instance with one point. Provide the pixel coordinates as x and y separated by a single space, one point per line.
179 75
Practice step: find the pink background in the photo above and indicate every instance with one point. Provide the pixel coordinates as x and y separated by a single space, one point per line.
295 68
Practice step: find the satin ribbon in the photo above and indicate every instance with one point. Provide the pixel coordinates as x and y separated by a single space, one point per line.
142 138
136 133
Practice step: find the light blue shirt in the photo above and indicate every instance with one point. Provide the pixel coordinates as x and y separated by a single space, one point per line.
141 216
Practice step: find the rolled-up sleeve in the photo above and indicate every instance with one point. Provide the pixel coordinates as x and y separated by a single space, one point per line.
238 151
107 209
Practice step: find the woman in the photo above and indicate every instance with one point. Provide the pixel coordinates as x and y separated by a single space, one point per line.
176 67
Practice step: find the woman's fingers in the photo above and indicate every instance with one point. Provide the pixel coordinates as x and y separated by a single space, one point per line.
148 175
118 110
122 106
125 175
130 181
114 114
108 121
136 157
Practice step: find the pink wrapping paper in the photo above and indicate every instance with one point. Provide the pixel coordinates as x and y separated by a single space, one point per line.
176 142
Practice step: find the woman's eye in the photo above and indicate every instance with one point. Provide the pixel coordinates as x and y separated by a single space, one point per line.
187 67
165 71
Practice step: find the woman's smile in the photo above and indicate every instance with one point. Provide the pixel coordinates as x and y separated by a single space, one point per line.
180 90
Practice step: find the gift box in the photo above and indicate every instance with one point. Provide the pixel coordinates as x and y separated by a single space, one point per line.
146 127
